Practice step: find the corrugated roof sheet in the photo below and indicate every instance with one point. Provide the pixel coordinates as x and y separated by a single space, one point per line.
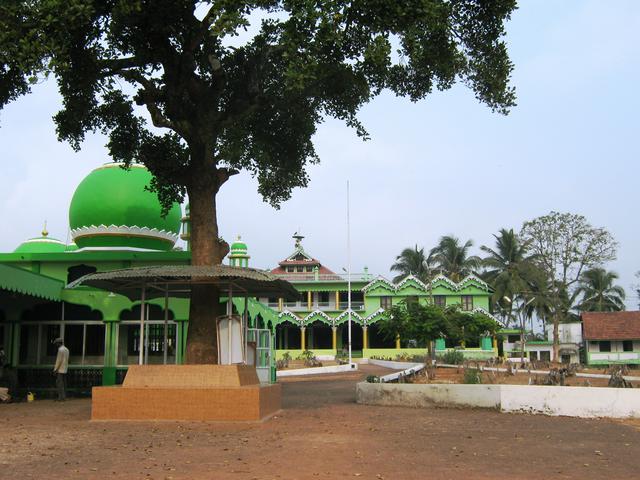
179 278
611 325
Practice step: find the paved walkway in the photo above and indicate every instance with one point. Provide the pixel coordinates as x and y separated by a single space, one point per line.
321 434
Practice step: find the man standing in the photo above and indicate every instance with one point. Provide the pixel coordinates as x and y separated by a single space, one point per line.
60 369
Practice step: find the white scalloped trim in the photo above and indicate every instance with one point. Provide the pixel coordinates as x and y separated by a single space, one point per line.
317 312
345 313
456 287
136 231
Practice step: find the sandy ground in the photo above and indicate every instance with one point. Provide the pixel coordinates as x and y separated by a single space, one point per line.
320 434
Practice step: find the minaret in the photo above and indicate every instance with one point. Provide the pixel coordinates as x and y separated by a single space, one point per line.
238 256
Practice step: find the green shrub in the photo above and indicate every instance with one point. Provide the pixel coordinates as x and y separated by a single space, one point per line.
452 357
372 379
472 376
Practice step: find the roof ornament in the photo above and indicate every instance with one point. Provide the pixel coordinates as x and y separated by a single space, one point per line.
298 239
44 229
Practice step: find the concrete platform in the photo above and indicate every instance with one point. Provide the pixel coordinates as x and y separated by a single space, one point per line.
187 392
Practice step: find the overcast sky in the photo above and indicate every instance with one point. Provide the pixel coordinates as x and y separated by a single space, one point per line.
446 165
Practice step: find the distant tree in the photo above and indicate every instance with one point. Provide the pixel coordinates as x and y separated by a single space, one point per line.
174 87
468 327
412 261
452 258
637 289
511 272
427 323
598 292
413 320
565 245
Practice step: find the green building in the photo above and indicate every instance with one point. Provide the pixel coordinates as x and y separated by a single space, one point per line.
318 321
115 223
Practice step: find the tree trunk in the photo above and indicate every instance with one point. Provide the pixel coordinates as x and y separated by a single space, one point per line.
206 249
556 337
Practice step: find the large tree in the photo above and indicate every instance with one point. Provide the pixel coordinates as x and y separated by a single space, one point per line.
218 103
565 245
452 257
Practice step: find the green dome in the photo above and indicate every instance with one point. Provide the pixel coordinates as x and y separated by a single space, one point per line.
238 247
42 244
111 209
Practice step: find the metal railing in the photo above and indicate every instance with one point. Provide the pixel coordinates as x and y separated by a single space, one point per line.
325 277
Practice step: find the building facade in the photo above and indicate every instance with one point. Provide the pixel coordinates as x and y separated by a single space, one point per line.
116 223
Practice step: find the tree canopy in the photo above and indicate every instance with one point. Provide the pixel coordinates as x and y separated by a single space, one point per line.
452 257
412 261
599 294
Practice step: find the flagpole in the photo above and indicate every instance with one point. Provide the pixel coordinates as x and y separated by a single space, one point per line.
349 272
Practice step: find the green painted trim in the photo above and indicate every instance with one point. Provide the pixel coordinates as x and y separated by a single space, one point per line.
28 283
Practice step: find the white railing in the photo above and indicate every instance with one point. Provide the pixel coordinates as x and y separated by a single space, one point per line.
325 277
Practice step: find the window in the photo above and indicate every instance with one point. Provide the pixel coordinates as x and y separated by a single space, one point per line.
605 346
323 299
411 300
385 302
440 300
627 345
513 338
545 356
467 302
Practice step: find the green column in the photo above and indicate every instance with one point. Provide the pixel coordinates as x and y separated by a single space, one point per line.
110 354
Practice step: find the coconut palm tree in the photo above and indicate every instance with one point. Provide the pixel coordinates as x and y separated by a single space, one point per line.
511 271
412 261
451 257
599 294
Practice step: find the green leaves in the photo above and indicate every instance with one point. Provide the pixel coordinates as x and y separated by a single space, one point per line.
255 105
429 322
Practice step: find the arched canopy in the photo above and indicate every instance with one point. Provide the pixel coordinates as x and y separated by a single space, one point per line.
176 281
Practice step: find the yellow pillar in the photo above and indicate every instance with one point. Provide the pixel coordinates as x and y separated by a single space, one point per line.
309 300
303 339
365 337
462 344
334 338
398 342
495 343
337 300
280 304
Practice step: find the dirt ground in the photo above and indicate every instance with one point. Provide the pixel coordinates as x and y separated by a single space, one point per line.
452 375
320 434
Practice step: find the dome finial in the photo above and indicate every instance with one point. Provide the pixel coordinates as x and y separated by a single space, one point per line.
44 229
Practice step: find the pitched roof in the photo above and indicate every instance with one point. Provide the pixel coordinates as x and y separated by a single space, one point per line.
611 325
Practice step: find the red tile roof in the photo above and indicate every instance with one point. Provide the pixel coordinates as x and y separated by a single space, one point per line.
611 325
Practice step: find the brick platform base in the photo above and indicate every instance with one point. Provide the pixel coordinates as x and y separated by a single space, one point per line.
187 392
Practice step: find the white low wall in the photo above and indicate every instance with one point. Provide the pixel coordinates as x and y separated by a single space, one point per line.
586 402
432 395
394 365
317 370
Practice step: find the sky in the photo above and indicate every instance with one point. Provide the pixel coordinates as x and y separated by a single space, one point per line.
445 165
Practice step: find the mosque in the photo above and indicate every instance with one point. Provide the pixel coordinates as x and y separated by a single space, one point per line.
115 223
